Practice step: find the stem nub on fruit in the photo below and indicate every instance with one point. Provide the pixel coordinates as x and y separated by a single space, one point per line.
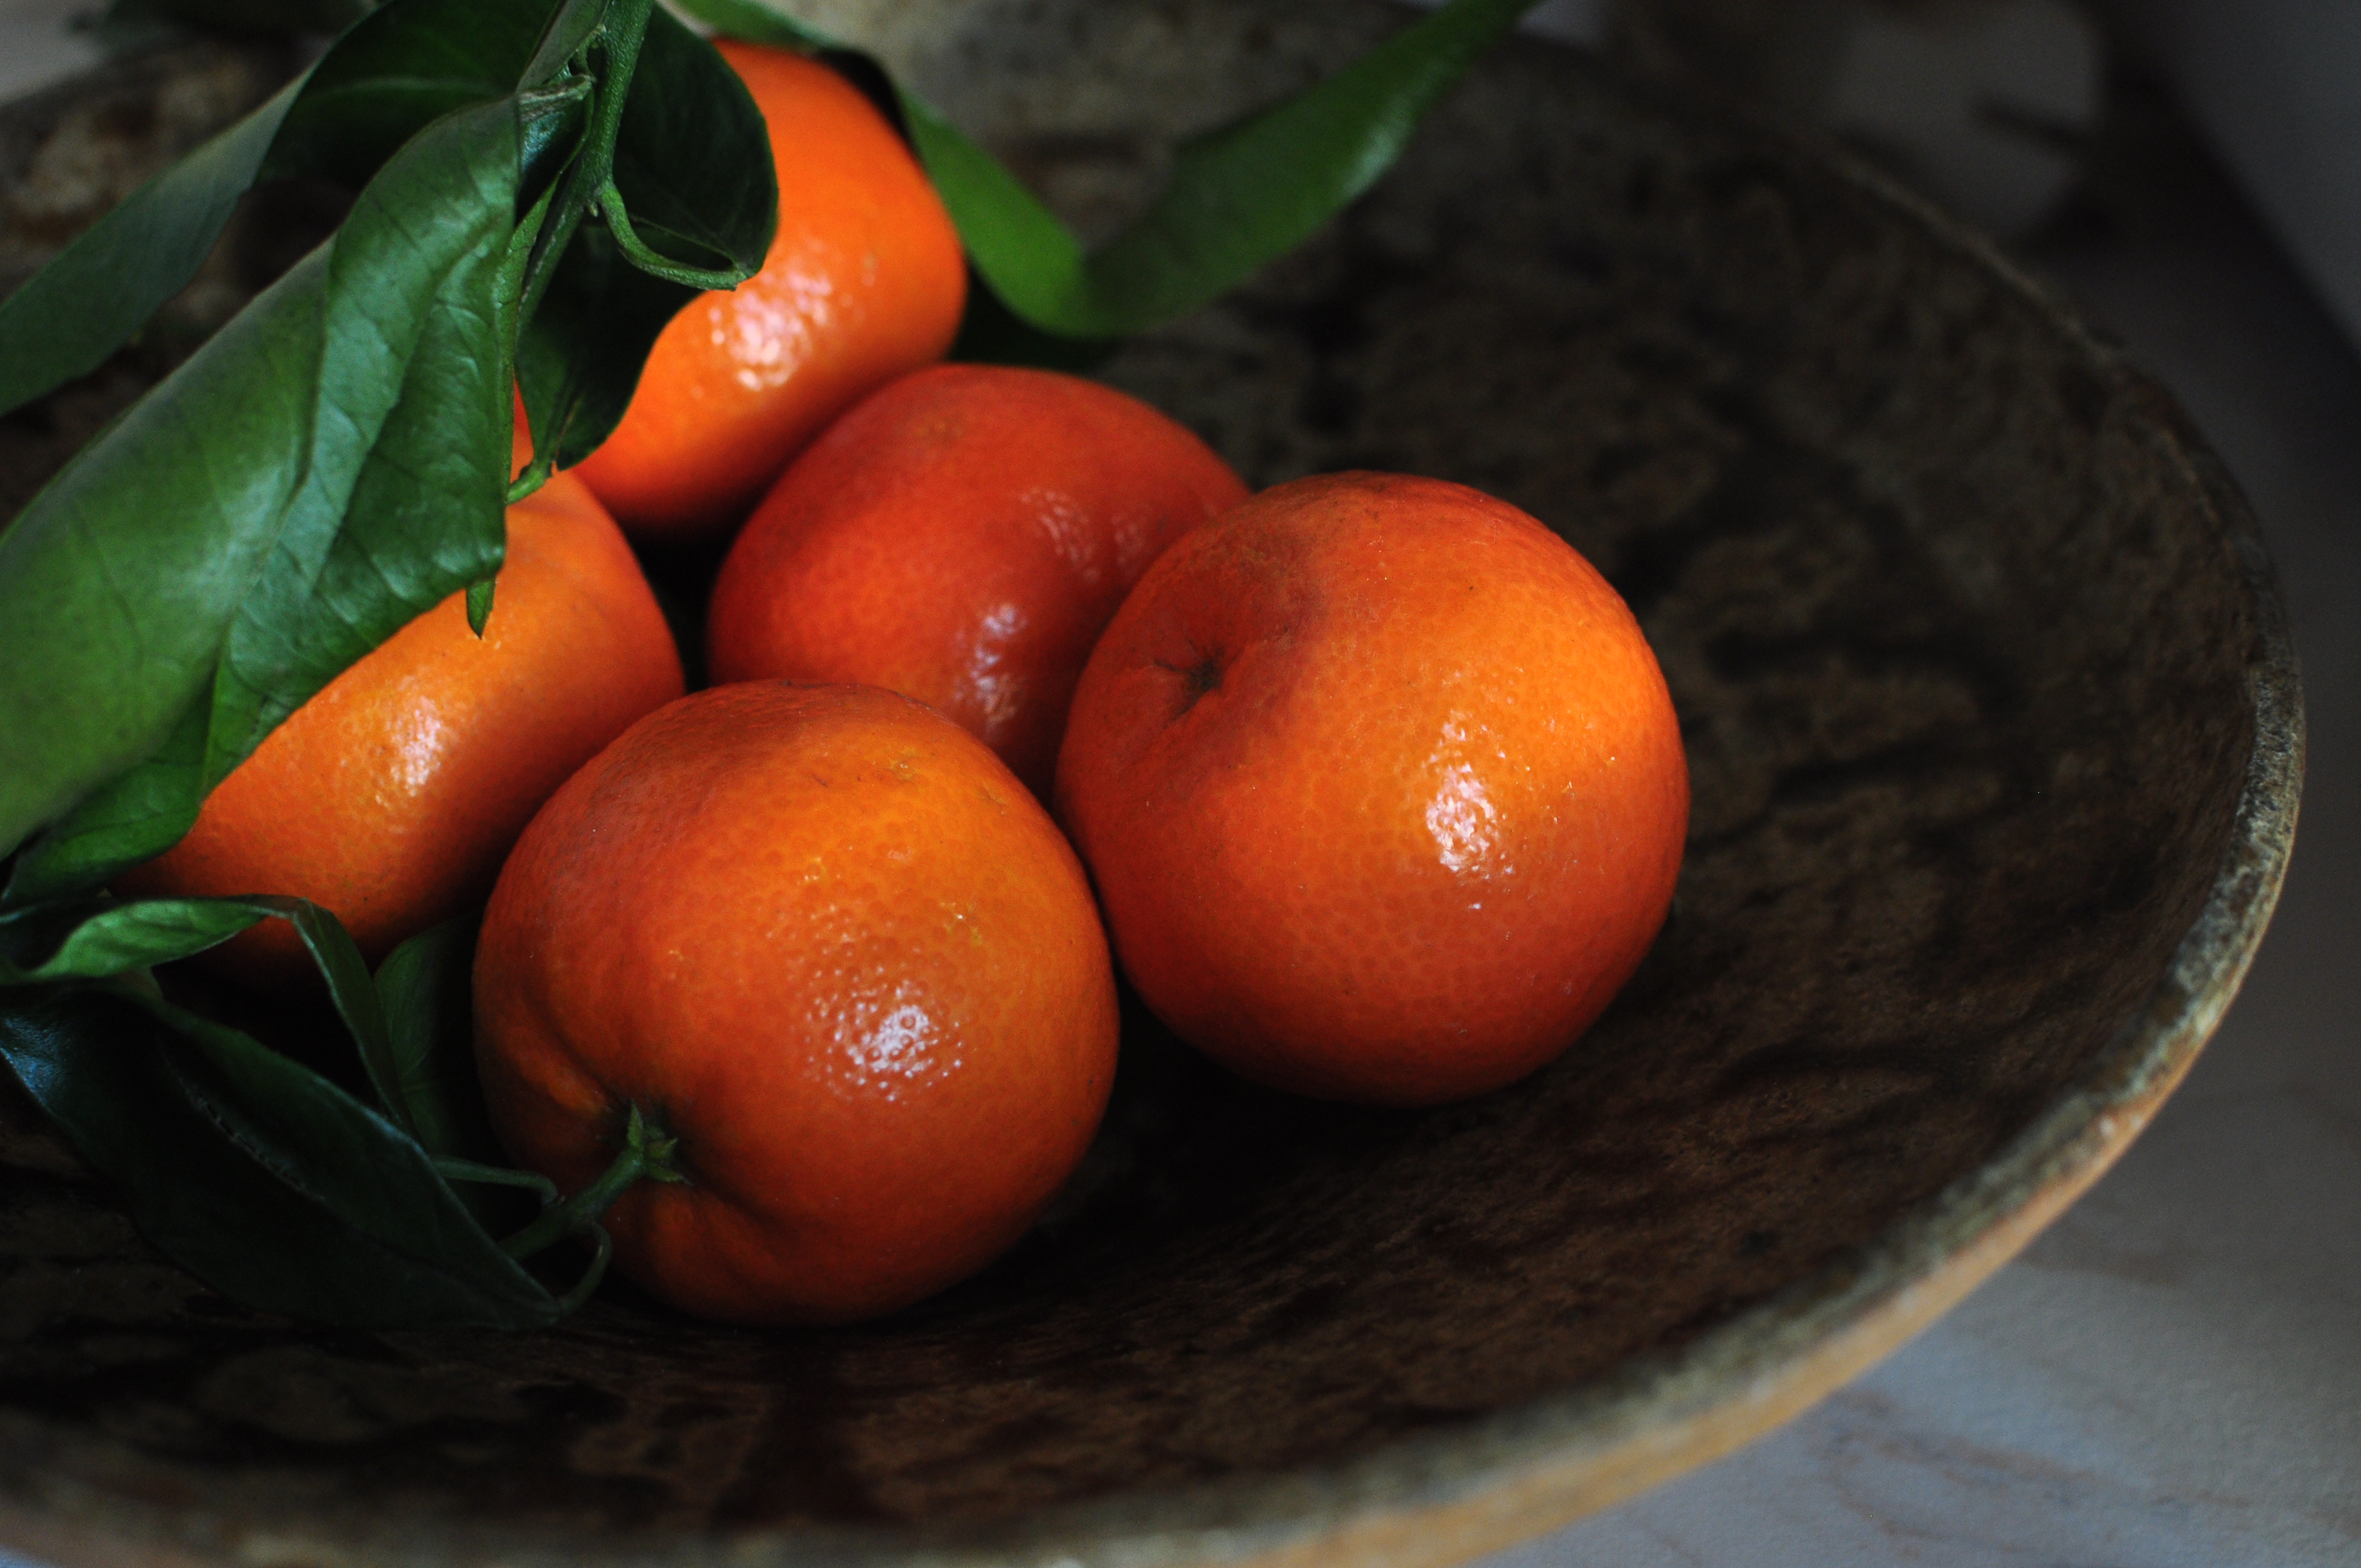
647 1155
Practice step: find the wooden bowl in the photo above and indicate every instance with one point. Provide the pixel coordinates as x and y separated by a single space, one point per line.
1996 742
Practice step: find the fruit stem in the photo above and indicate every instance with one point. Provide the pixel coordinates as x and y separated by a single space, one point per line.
647 1155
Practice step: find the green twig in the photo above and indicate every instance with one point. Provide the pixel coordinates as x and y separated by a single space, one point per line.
452 1168
635 249
646 1154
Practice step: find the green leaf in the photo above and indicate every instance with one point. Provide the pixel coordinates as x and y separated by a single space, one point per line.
380 84
97 941
97 292
331 464
579 359
425 988
690 196
256 1173
346 973
410 289
142 812
1239 197
479 604
405 67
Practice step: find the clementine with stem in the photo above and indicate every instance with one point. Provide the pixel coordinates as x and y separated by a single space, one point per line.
821 940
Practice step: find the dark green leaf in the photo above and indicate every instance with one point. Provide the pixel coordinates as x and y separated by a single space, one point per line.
1239 197
480 605
256 1173
580 357
102 288
682 169
398 71
354 994
679 159
424 986
1253 191
383 81
571 29
91 940
140 813
333 463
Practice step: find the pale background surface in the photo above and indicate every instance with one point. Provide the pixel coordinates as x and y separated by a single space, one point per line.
2172 1375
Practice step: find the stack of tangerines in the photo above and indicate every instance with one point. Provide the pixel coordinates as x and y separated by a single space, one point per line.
1375 779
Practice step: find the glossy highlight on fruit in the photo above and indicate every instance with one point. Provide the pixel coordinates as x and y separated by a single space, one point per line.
1381 789
393 795
822 937
865 280
962 536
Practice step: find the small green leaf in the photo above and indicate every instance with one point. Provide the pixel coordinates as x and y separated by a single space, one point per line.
405 67
346 973
696 209
424 986
480 605
99 939
258 1174
94 940
594 315
1239 196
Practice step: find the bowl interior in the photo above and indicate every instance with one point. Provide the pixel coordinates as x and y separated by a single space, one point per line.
1964 651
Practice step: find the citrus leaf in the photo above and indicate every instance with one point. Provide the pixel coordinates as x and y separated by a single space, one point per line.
594 316
412 272
100 940
97 941
377 87
397 71
579 359
424 986
688 197
141 812
258 1174
90 300
1239 196
203 541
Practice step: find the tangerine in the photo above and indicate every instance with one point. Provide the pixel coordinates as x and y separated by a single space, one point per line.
962 536
391 797
1381 789
866 278
822 939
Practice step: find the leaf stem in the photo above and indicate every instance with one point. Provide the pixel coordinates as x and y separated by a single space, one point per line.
452 1168
620 33
647 1154
635 250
